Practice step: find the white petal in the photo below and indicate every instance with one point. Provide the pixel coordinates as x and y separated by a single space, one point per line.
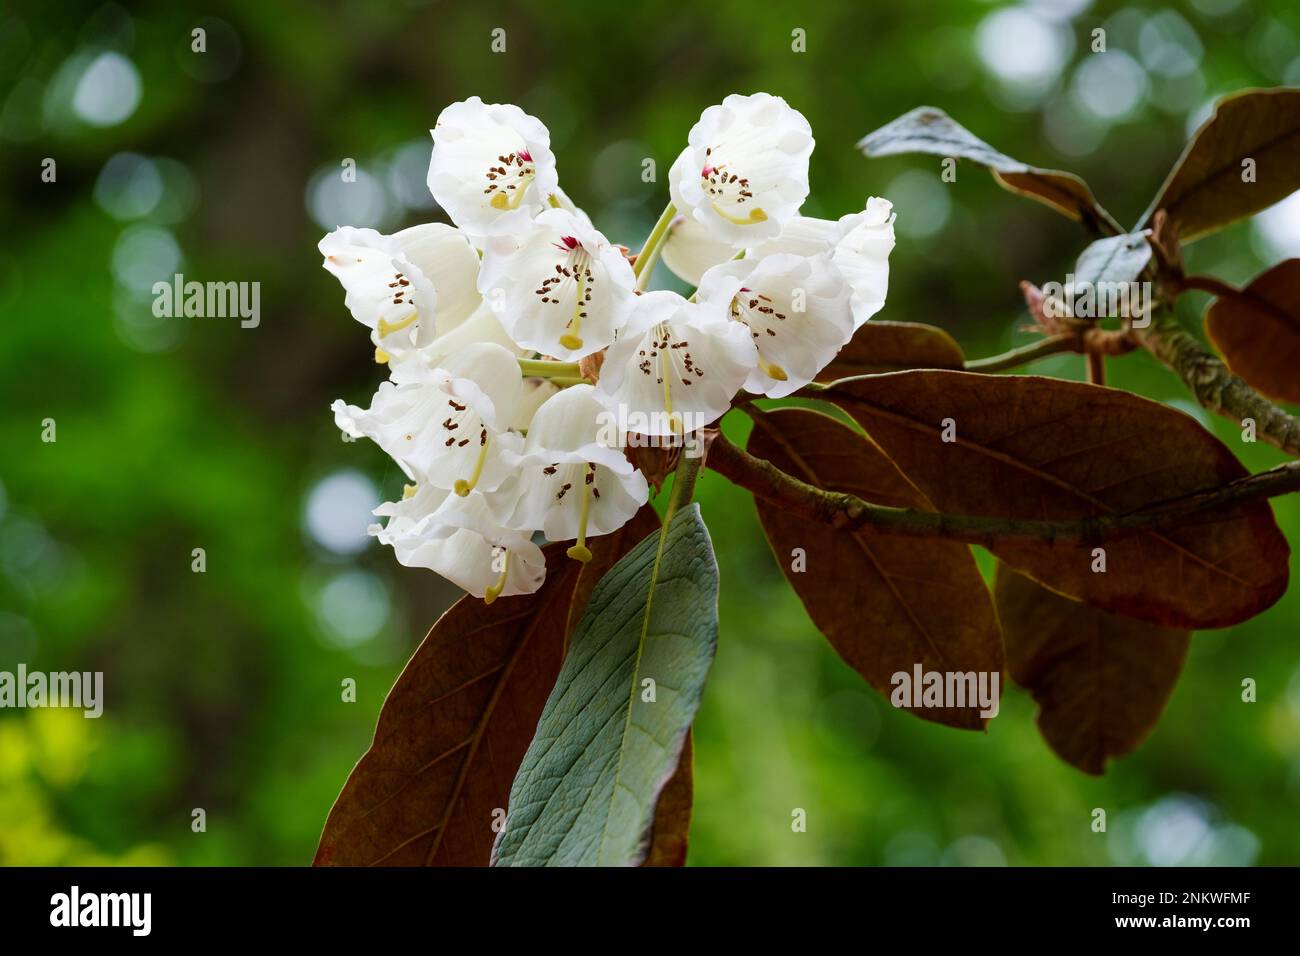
487 376
863 257
797 310
691 250
574 425
559 288
561 197
746 172
806 236
536 393
482 151
445 256
481 327
550 497
673 352
459 539
445 425
379 283
859 244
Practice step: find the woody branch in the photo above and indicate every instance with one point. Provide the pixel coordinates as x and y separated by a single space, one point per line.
849 513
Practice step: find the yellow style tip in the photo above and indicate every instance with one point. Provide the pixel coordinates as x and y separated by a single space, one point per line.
579 552
491 594
757 215
499 201
408 491
462 487
382 357
571 342
777 372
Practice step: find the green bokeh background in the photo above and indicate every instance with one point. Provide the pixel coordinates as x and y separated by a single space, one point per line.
223 688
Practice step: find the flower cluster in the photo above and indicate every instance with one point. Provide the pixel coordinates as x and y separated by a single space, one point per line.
494 408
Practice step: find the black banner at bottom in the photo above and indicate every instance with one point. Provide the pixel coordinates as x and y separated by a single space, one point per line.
337 906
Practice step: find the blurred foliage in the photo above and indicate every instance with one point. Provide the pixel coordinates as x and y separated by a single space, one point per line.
223 688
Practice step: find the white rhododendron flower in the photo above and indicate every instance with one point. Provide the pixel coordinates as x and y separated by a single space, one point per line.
573 480
447 427
859 244
408 288
675 366
382 289
797 311
558 285
492 168
745 172
459 539
523 354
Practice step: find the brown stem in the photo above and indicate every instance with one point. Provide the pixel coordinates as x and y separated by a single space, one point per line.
1218 389
1216 287
1096 368
1053 345
850 513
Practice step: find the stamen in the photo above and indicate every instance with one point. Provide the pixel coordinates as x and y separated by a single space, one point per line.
674 420
755 215
570 338
721 183
511 199
493 591
580 551
463 487
757 312
772 369
386 328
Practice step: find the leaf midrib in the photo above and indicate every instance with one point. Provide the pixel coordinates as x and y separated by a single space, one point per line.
1044 476
1196 186
636 669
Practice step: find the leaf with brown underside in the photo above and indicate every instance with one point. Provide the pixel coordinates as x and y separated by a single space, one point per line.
930 130
1100 680
1041 448
1205 190
458 720
885 603
893 346
1260 341
673 813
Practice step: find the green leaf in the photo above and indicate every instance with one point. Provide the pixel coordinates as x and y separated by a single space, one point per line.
588 787
1206 189
930 130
